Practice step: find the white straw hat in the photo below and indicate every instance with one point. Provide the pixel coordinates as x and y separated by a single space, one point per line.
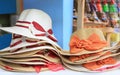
33 23
19 42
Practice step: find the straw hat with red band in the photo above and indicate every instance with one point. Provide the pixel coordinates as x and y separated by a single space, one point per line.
19 42
33 23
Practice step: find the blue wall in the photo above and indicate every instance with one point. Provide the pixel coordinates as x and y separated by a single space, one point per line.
5 40
61 13
67 22
7 6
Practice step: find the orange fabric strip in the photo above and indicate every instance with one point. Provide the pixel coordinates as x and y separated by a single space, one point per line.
92 43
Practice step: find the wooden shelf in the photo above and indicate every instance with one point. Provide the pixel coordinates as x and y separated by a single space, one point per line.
96 25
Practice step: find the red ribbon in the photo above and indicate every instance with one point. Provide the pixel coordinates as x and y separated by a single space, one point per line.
40 28
16 43
46 33
23 22
30 41
8 68
15 36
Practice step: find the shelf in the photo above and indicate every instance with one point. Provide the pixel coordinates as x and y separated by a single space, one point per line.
97 25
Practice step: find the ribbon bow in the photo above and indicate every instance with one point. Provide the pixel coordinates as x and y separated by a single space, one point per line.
46 33
92 43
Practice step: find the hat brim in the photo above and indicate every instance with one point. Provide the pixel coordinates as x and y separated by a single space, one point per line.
67 53
80 68
29 49
32 54
76 67
23 62
23 44
85 60
41 60
18 68
27 33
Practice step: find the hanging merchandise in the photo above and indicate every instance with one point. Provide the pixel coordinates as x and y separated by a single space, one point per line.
87 11
94 12
100 13
118 8
93 4
114 19
118 5
104 17
99 6
105 12
93 16
112 6
105 6
89 14
87 7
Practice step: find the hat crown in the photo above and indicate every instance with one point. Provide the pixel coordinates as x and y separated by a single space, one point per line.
37 23
38 16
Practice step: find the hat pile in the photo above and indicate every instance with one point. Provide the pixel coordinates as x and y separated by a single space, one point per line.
33 46
89 51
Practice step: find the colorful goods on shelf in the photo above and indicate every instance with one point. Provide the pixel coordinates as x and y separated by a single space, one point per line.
103 11
115 36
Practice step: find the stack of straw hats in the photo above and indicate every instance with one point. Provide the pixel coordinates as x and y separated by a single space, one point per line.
34 48
89 52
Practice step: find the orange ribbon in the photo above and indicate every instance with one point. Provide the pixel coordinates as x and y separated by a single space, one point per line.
92 43
100 63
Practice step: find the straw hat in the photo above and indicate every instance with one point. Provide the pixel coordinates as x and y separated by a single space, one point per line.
105 67
38 56
30 68
32 41
89 52
103 63
33 23
89 39
86 36
19 68
36 60
24 44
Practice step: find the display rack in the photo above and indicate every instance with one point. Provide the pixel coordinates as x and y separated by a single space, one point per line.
80 17
19 4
